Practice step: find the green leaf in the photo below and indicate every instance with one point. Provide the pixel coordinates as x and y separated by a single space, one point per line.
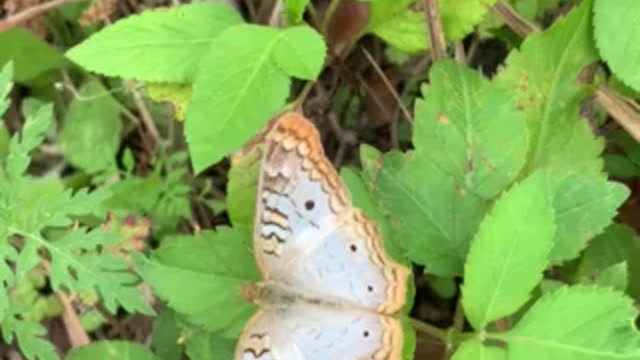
80 260
164 198
384 10
543 74
618 244
243 83
240 89
615 277
473 349
90 134
93 266
444 287
406 29
165 338
30 137
471 128
242 188
201 277
294 10
579 322
111 350
164 45
176 94
6 75
610 20
30 337
31 56
300 53
506 258
620 166
431 218
204 345
584 205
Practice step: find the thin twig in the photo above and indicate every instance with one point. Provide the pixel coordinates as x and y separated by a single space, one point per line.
251 8
75 332
624 111
297 103
513 19
145 116
434 29
328 15
67 84
459 54
276 14
30 13
389 86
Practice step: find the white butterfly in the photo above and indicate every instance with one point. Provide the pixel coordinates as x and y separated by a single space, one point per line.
329 290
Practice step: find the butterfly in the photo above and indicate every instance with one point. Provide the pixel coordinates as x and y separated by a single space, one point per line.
329 289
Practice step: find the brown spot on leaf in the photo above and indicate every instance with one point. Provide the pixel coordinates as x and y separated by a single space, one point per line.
442 119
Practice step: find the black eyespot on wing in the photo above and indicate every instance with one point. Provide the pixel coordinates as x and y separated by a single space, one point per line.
365 334
353 248
370 288
309 204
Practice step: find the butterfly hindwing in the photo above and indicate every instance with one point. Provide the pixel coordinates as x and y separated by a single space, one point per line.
316 333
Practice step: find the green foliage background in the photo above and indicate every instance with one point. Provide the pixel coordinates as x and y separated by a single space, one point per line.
502 194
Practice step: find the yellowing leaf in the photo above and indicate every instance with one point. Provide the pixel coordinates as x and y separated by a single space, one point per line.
176 94
543 77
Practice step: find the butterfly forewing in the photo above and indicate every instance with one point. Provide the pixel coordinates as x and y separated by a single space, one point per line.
309 239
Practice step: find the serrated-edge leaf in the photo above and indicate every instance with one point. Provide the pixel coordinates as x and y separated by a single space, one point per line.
584 205
542 74
506 258
615 26
212 301
579 322
239 88
471 129
29 138
30 338
163 45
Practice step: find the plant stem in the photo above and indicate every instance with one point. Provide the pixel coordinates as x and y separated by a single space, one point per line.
434 30
513 19
333 5
297 103
423 327
458 317
26 15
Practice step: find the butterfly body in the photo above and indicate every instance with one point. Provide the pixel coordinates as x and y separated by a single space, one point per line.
330 291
